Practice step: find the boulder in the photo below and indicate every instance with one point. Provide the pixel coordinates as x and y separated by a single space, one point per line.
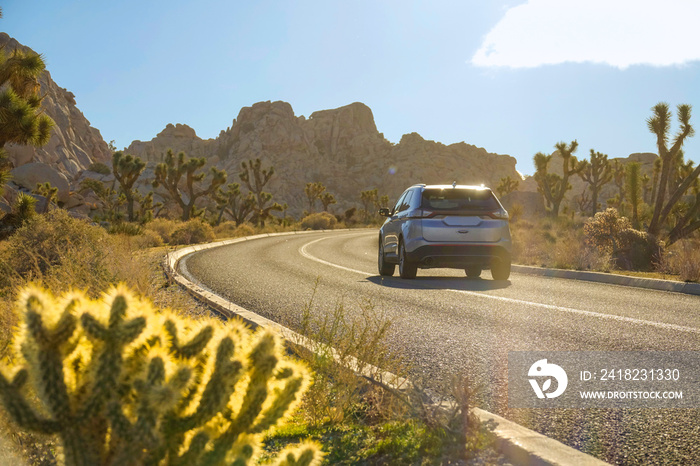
31 174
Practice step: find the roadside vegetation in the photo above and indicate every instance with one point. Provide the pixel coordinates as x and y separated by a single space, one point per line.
651 225
353 419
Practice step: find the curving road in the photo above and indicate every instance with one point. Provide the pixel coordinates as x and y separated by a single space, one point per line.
447 325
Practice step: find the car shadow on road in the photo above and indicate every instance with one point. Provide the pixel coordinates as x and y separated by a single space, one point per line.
440 283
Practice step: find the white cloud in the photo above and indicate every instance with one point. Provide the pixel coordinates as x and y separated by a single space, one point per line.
619 33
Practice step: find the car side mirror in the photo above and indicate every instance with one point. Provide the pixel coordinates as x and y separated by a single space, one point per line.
385 212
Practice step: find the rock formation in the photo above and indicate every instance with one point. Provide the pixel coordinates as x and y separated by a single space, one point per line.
341 148
74 144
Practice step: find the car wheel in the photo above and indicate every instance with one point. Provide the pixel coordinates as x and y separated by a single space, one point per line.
500 269
385 268
473 271
406 269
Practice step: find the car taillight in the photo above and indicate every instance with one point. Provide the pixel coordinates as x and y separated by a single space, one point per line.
500 214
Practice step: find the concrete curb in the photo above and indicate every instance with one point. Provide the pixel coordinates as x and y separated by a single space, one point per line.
517 443
622 280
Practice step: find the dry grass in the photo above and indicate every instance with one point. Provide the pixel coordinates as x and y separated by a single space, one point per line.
682 259
557 243
435 421
561 243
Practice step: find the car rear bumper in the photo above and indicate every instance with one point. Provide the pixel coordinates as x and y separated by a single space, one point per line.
429 255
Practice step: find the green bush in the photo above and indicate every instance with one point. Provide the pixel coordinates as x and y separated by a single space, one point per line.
164 227
319 221
191 232
99 167
120 382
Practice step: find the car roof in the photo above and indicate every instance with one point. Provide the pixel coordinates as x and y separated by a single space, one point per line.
449 186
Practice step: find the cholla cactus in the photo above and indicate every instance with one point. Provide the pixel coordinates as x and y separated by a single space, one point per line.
122 383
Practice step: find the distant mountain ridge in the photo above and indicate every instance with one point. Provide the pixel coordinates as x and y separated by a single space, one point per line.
341 148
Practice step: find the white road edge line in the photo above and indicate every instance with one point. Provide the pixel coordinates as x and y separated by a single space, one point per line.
679 328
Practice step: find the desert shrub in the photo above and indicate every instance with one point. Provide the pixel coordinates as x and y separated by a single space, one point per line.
244 230
530 247
56 244
630 249
350 216
230 230
191 232
571 252
516 211
603 231
147 239
319 221
225 229
122 383
99 167
683 259
164 227
124 228
638 250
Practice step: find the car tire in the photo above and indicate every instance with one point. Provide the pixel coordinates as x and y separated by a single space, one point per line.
406 268
500 269
386 269
473 271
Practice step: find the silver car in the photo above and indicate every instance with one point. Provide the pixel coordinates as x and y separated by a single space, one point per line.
451 226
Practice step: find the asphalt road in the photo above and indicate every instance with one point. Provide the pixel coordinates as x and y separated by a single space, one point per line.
446 325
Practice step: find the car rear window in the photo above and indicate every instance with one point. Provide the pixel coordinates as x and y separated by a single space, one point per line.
459 199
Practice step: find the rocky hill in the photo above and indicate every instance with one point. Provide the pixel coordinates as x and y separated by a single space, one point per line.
341 148
74 144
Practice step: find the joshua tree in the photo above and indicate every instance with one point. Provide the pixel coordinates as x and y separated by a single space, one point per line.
147 208
22 121
48 191
583 201
645 188
111 202
127 169
313 191
368 199
659 124
233 203
170 172
633 187
619 174
506 186
597 173
552 186
23 210
255 178
327 199
655 180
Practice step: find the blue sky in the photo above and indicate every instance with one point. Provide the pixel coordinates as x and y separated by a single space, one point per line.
514 77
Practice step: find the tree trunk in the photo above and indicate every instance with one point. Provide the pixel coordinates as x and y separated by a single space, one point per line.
594 200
